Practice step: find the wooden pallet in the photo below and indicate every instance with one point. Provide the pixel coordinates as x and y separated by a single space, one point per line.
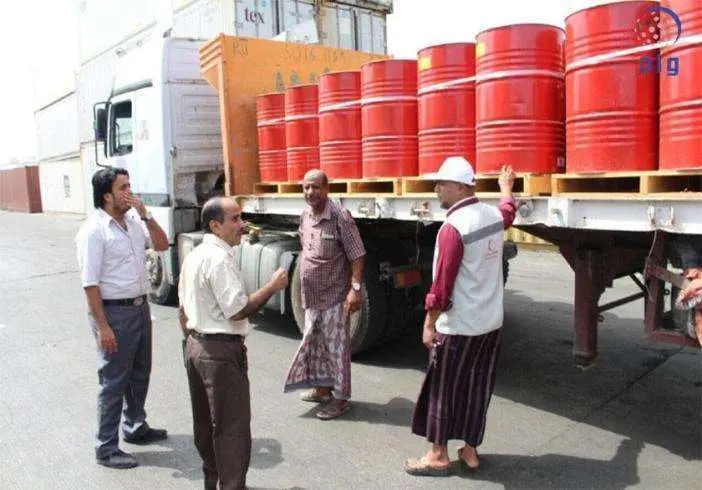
383 187
525 185
277 188
623 184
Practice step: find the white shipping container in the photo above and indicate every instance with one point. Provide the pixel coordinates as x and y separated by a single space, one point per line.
338 27
57 128
294 12
104 24
342 26
199 20
205 19
62 186
255 18
372 31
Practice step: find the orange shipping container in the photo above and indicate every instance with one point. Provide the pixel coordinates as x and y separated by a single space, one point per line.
242 68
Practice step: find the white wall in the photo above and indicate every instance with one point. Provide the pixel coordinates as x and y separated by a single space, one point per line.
62 188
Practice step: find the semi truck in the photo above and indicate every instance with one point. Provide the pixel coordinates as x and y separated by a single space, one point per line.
181 118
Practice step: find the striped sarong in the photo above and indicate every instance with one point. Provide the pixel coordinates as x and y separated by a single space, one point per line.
324 356
456 392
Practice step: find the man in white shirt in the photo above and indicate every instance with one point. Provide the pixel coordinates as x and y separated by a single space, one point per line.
111 247
214 311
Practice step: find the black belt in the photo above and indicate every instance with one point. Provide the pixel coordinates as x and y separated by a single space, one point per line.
223 337
138 301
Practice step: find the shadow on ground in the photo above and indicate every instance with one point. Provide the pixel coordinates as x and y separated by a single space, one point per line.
555 471
180 453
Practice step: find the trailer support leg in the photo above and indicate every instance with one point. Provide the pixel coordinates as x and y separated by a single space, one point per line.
589 287
595 270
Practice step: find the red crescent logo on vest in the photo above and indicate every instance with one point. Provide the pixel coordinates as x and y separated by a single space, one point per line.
491 245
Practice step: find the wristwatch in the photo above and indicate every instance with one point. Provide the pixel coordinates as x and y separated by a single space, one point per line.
147 216
356 286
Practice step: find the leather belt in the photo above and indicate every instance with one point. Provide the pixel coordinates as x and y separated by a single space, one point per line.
222 337
138 301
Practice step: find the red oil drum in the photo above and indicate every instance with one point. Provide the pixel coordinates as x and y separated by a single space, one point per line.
301 130
681 89
446 104
270 122
612 104
520 99
389 118
340 124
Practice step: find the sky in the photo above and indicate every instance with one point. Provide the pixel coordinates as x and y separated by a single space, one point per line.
38 47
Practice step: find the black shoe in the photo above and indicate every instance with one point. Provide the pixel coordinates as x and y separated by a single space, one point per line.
147 437
119 460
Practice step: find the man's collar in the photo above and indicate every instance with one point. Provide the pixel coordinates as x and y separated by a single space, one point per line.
104 216
461 204
215 240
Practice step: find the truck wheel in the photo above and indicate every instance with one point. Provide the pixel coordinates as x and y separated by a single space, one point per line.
366 324
162 292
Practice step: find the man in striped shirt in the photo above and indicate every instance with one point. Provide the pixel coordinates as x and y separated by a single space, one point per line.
464 315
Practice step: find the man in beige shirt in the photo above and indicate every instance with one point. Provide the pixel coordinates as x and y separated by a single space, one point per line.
214 311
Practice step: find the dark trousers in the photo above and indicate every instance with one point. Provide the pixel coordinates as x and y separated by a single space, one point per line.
123 376
219 393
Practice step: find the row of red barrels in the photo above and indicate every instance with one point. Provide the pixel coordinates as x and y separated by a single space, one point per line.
599 96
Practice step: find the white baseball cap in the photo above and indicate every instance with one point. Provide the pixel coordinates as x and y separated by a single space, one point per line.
454 169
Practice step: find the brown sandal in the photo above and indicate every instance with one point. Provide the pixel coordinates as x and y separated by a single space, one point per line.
421 467
312 396
333 410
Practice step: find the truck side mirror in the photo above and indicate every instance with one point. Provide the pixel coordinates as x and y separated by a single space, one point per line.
100 123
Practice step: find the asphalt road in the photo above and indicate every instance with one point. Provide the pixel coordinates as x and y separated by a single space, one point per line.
633 419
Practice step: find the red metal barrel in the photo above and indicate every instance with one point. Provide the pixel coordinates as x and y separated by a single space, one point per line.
446 104
389 118
301 130
270 116
612 104
340 124
520 99
681 88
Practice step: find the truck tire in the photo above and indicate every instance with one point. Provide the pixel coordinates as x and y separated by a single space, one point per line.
367 324
162 292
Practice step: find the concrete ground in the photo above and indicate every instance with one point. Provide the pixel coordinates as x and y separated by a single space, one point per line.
633 419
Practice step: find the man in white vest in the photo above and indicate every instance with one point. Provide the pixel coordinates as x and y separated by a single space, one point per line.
464 315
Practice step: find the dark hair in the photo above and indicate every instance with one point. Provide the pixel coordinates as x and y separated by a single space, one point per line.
212 210
102 183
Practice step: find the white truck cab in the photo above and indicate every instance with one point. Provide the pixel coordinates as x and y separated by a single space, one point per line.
161 123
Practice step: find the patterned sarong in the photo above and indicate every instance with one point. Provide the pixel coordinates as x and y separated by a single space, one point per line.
324 356
457 388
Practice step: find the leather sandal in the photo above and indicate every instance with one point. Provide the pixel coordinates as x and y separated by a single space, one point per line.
422 467
333 410
312 396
